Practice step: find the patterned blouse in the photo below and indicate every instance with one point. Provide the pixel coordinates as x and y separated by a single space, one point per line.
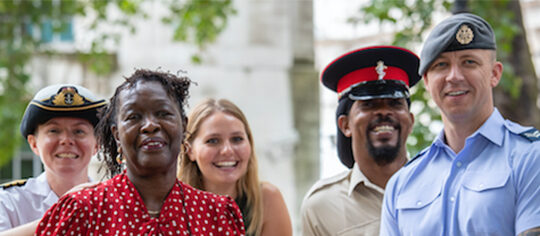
114 207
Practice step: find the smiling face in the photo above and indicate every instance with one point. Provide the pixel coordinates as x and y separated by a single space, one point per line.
148 128
378 128
461 83
221 149
65 145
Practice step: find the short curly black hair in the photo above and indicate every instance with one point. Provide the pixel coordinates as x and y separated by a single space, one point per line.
177 87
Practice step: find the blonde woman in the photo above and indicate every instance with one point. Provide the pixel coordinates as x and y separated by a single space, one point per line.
220 158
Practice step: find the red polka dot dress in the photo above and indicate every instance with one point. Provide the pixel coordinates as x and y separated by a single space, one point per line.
114 207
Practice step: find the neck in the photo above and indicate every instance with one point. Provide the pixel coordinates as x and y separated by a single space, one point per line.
61 184
379 175
153 189
457 130
221 188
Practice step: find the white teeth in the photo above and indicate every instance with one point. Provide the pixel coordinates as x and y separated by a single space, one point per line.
67 155
456 93
384 128
154 144
226 163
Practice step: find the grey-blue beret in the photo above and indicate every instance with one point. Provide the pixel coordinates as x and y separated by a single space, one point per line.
458 32
60 100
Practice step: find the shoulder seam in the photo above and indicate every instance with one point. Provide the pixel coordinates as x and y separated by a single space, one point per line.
417 156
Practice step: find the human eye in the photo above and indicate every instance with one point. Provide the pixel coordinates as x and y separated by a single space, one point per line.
163 113
131 116
238 139
53 130
80 132
367 104
439 65
212 141
397 103
469 62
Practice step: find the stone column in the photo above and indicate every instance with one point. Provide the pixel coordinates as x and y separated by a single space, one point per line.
305 95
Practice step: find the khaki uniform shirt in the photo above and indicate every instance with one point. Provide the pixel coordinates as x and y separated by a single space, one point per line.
345 204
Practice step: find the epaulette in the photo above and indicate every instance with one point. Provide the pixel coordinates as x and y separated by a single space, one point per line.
531 134
417 156
14 183
327 181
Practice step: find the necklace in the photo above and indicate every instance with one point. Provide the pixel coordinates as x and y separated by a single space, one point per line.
153 212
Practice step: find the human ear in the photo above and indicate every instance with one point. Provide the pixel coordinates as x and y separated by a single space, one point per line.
32 141
426 81
189 152
114 131
411 115
496 73
96 148
343 124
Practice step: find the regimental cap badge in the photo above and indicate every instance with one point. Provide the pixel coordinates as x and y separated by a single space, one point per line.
380 69
67 96
464 35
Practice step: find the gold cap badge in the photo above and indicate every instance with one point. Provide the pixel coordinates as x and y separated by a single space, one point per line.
68 96
464 35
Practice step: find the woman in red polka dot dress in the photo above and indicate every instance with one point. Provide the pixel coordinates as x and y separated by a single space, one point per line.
143 126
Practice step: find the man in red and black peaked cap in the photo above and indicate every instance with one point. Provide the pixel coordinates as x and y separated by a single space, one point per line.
374 121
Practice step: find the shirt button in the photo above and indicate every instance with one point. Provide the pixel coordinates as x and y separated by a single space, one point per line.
418 203
452 199
458 164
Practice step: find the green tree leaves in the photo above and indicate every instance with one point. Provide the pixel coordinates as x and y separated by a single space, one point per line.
193 21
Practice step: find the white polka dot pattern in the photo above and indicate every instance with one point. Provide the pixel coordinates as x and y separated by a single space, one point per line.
115 208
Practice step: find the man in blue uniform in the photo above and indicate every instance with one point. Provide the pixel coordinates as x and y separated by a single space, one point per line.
59 127
481 175
374 121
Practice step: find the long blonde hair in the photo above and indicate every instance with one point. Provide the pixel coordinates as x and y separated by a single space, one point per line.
248 184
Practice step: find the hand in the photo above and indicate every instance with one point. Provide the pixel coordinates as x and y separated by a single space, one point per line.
82 186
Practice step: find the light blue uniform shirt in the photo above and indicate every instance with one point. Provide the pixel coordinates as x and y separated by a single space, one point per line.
491 187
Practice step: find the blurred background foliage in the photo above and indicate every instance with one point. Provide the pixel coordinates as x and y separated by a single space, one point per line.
197 22
516 95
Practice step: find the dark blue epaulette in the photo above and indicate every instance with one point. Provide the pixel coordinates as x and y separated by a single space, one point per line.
417 156
13 183
531 134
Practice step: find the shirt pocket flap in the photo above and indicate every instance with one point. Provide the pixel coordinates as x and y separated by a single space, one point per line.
480 181
418 198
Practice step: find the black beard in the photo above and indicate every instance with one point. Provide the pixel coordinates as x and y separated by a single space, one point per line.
386 154
383 155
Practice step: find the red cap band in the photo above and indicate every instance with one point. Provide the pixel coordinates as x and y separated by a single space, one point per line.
370 74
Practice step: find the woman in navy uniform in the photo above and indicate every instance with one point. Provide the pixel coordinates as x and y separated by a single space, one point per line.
59 127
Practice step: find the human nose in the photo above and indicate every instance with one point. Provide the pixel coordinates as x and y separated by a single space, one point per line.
455 74
383 108
66 138
227 148
150 125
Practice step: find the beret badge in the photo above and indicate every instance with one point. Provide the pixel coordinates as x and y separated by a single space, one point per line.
68 96
464 35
